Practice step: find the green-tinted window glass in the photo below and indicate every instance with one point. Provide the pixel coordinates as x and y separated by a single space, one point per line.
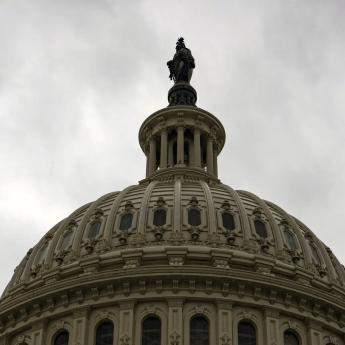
94 230
290 338
194 217
246 333
105 333
62 338
260 228
126 221
199 331
290 239
151 334
228 221
159 217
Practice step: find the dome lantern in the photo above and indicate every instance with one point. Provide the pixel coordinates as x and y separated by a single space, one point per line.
182 138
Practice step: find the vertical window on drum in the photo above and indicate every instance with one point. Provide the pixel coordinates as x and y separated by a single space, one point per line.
105 333
126 221
260 228
290 338
228 221
151 333
199 331
194 217
61 338
94 230
160 217
246 333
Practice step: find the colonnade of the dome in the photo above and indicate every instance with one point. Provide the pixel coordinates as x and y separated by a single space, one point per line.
182 147
176 138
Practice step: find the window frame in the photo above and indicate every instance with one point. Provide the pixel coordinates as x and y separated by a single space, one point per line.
208 323
151 315
99 323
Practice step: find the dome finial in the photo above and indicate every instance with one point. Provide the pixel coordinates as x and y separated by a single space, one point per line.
181 70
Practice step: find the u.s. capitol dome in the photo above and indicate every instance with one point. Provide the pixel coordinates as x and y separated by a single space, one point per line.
179 258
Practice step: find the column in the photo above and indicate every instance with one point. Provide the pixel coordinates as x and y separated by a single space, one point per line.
224 323
175 321
147 165
152 156
209 156
271 327
38 335
197 150
126 323
191 153
215 163
4 340
314 334
80 326
180 145
171 153
164 149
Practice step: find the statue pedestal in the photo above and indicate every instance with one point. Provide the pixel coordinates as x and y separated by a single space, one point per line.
182 93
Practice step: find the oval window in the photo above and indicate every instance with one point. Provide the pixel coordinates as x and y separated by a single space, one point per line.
290 239
260 228
94 230
66 239
160 217
126 221
194 217
228 221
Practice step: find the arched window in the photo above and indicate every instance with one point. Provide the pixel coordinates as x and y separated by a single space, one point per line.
290 338
228 221
126 221
151 334
290 239
61 338
160 217
199 331
93 230
105 333
260 228
194 217
246 333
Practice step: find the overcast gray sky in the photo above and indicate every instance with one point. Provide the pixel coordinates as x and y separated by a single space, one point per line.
78 77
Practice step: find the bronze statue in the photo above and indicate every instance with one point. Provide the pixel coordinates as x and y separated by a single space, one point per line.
182 65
